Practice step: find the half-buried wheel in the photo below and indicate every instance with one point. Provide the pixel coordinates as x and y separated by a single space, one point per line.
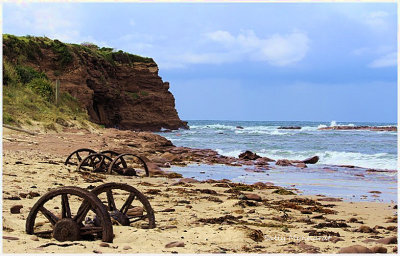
126 204
76 157
95 163
129 165
70 214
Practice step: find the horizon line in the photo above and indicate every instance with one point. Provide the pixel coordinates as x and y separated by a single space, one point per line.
226 120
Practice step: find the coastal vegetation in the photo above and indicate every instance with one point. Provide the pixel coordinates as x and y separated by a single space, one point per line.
29 93
29 97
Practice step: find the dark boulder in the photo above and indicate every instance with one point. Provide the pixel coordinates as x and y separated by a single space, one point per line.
290 127
248 155
311 160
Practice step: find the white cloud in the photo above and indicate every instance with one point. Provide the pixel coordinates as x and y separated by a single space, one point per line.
221 36
283 50
376 19
277 50
388 60
58 21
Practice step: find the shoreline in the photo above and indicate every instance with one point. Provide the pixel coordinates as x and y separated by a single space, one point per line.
206 217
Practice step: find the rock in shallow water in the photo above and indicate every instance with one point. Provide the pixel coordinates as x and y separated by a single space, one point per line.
283 162
248 155
301 165
311 160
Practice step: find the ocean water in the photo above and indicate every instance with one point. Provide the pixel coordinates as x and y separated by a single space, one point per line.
366 149
369 149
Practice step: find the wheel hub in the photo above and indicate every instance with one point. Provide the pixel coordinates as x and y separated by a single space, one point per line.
121 218
66 230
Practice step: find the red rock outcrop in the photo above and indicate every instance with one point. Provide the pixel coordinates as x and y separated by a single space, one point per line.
118 90
368 128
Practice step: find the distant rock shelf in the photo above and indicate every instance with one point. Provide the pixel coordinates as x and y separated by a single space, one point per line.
290 127
368 128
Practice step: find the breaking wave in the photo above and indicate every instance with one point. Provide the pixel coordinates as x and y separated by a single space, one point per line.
378 161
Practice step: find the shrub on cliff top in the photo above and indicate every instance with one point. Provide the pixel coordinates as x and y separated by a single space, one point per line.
42 87
64 55
10 75
21 48
26 74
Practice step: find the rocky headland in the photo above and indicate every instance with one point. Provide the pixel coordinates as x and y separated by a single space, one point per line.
117 89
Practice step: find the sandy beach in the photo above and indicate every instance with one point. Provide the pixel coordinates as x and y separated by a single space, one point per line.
201 217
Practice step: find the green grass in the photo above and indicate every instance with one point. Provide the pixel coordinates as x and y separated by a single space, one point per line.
22 105
22 49
144 94
29 96
133 95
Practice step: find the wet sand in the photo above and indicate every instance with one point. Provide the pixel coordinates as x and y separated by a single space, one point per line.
274 223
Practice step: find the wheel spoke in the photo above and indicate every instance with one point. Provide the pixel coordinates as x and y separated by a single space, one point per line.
82 212
49 215
123 162
110 200
79 157
102 161
66 210
90 230
127 203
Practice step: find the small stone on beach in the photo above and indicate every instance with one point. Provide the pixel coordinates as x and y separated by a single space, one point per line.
175 244
16 209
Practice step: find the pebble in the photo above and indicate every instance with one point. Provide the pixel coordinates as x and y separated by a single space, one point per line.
23 195
378 249
175 244
34 238
104 245
254 197
388 240
127 247
355 249
335 239
10 238
16 209
168 210
365 229
13 198
33 194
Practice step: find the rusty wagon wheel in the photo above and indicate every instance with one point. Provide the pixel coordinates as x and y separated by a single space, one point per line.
47 220
95 163
110 153
130 210
121 166
76 157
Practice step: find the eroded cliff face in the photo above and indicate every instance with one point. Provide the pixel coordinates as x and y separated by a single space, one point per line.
118 89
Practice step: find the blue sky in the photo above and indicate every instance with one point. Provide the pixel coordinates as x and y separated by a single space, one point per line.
236 61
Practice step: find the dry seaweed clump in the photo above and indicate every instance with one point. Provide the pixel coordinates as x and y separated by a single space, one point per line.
282 191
